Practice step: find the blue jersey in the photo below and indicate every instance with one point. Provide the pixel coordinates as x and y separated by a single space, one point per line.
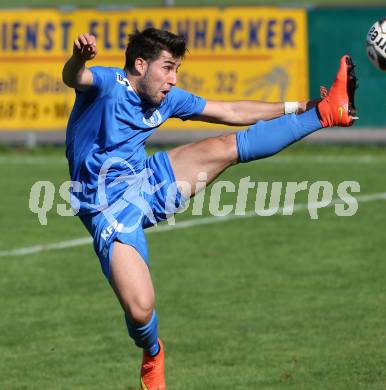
110 122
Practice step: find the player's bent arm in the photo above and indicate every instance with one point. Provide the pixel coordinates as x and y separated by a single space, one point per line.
76 75
240 113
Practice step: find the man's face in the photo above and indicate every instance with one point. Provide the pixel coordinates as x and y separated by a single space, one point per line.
158 78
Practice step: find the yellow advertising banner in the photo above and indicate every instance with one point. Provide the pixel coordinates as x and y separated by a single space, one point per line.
234 54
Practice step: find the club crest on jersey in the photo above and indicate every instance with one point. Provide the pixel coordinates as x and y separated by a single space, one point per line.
152 117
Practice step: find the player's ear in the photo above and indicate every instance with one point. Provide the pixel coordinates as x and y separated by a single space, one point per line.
140 65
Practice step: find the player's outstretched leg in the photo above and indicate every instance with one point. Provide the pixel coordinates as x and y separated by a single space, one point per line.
336 109
266 138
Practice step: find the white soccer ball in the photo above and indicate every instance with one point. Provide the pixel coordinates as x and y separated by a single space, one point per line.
376 44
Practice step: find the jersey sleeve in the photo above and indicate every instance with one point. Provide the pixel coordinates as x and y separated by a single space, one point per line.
103 79
184 104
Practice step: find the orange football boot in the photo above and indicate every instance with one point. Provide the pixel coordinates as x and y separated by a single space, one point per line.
337 107
152 370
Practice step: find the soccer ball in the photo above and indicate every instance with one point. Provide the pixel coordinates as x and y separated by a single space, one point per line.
376 44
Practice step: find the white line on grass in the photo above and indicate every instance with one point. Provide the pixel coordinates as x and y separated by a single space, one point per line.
31 160
186 224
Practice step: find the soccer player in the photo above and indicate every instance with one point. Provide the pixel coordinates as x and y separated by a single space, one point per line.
122 190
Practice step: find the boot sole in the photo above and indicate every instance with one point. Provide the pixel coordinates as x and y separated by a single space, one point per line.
352 85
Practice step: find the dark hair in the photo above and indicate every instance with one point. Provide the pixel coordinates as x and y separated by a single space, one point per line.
149 43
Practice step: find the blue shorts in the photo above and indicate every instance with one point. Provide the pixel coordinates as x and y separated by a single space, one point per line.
157 197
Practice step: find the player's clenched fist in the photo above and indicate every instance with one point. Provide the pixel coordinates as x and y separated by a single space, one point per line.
85 47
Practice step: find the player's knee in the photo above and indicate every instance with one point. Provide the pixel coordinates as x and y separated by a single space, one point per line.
141 311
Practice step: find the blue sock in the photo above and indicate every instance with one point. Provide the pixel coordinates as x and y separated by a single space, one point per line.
145 336
266 138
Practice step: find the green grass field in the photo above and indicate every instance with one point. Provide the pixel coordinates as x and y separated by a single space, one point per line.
281 302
